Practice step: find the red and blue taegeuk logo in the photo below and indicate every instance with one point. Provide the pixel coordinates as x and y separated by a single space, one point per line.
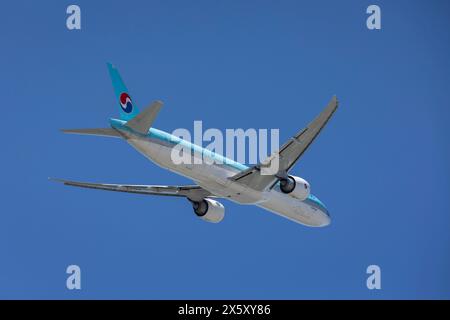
125 102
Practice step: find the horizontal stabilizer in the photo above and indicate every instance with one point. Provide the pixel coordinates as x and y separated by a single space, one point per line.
105 132
144 120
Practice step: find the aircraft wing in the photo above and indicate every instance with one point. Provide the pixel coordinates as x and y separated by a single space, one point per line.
192 192
259 177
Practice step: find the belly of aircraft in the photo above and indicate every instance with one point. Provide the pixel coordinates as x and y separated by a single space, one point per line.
214 178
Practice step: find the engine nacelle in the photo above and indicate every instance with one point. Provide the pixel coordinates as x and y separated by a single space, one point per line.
296 187
209 210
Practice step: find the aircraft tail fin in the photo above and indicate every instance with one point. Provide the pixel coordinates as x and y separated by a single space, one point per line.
128 110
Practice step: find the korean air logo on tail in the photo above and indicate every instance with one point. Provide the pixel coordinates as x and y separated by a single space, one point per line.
125 102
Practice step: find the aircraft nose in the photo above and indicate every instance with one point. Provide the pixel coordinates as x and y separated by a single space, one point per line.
323 217
326 220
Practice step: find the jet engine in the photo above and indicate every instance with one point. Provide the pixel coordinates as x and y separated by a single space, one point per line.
296 187
209 210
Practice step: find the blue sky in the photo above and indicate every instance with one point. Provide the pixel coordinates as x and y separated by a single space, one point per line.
381 165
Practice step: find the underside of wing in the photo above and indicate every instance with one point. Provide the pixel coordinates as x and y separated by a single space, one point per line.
192 192
292 150
260 176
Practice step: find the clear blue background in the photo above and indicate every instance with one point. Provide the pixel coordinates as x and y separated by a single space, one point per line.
381 165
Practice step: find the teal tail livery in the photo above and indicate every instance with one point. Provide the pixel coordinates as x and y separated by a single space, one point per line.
130 117
215 177
127 108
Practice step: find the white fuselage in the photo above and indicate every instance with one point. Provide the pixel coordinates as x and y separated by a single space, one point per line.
215 178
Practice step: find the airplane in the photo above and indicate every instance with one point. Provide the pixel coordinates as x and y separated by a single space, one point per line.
280 192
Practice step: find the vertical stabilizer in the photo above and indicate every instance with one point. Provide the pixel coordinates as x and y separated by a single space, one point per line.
128 110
